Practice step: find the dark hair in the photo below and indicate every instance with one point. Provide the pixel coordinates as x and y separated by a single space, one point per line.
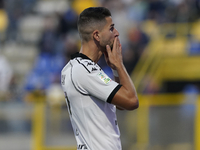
90 19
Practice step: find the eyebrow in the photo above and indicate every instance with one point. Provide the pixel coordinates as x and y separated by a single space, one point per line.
112 25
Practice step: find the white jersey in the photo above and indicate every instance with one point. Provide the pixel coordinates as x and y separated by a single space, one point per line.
89 92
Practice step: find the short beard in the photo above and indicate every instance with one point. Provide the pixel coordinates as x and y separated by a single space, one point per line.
105 49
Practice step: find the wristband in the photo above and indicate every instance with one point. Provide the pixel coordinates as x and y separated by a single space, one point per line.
115 73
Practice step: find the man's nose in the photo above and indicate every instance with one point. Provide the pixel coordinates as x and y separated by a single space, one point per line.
116 32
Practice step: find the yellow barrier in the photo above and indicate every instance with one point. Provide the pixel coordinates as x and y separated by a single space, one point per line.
197 125
39 128
142 118
59 148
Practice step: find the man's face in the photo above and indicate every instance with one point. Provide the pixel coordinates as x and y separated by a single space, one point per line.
108 34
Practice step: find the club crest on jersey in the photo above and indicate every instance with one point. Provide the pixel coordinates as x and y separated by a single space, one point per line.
104 77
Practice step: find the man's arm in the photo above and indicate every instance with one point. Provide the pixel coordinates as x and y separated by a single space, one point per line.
116 77
126 97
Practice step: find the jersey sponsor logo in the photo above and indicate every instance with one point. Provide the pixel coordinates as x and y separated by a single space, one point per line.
104 77
82 146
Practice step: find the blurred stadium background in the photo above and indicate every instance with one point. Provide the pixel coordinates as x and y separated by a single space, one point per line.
161 49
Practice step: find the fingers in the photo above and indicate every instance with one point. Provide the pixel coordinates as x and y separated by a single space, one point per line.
119 44
116 47
113 57
115 43
108 50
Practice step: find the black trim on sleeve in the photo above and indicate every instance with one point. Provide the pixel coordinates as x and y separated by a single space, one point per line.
112 94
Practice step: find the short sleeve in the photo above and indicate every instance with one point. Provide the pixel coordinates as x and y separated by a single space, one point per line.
95 83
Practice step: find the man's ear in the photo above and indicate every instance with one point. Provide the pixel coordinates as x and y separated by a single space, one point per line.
96 35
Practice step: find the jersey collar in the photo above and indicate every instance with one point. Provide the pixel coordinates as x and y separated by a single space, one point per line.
77 54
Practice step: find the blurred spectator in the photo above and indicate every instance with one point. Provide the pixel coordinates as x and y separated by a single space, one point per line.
6 74
3 21
129 59
67 22
46 69
27 6
14 12
1 4
171 11
137 10
156 10
70 45
45 72
48 40
137 42
183 12
197 4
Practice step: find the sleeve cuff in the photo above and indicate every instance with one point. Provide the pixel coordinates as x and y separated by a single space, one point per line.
112 94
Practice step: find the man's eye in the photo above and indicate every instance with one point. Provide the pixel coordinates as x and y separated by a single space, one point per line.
112 28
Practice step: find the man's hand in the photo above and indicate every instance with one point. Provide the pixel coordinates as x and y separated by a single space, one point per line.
126 96
114 57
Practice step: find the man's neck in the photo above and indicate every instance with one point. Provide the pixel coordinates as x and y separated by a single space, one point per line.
91 50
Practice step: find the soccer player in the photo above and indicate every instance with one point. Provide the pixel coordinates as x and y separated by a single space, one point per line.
91 96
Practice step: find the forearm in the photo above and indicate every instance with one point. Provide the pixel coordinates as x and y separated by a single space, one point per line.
116 76
126 97
125 80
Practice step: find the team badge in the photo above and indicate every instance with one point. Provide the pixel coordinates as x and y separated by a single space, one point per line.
104 77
